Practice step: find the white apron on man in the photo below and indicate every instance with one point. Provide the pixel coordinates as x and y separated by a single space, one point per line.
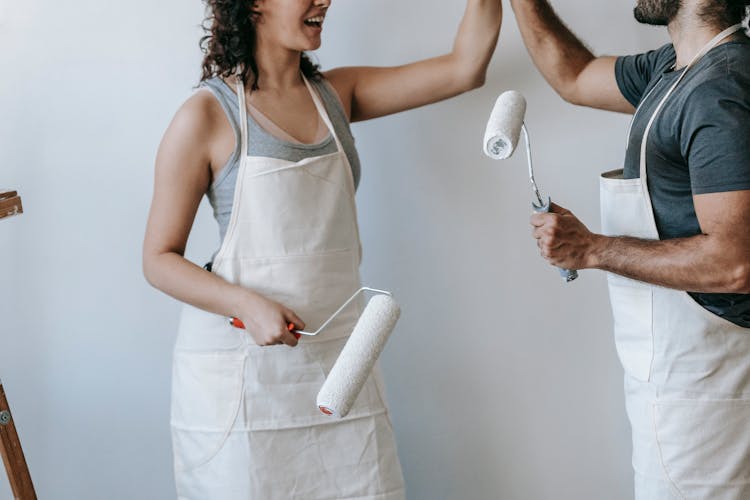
245 424
687 371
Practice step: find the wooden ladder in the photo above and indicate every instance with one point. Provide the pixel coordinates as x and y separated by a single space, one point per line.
10 445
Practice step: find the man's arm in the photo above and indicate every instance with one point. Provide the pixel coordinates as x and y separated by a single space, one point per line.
717 261
567 65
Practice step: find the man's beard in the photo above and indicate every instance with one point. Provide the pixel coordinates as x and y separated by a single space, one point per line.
656 12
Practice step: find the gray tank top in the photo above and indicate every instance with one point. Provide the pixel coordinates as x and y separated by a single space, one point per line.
262 143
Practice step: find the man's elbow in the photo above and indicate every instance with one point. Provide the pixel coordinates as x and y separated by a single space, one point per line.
740 278
570 94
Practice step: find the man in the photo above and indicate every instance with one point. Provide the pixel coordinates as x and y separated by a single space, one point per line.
676 220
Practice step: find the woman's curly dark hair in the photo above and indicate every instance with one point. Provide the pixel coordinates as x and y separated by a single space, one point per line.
230 41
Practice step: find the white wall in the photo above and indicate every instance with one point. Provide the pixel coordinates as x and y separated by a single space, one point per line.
504 383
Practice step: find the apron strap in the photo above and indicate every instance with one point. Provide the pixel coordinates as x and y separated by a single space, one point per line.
243 116
323 113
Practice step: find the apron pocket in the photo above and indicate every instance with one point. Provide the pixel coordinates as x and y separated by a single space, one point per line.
705 447
320 220
313 286
206 396
632 304
205 332
282 387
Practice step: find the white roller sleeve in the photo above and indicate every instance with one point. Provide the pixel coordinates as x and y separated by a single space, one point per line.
504 126
357 358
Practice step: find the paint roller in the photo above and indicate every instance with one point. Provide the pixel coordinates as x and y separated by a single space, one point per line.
362 349
500 140
357 358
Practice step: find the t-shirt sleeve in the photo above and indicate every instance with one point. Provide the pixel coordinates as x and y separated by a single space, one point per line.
714 135
634 73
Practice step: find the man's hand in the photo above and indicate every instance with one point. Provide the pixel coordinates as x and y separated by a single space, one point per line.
717 261
563 239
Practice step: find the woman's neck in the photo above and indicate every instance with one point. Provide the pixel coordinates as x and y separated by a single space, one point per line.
278 68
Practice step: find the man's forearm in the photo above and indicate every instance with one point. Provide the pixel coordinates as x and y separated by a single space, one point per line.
695 264
556 51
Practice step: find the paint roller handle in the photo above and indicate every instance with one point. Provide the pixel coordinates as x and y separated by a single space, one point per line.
237 323
567 274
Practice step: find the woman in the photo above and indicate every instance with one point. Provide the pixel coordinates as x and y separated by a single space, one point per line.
281 182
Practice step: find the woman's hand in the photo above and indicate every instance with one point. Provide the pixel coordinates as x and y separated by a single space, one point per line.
267 321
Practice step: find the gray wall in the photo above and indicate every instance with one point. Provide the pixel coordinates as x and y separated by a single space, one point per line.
503 382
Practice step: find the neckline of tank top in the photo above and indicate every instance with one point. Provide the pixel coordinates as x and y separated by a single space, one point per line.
276 131
296 144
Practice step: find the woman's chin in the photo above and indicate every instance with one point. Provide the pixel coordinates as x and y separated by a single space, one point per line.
312 43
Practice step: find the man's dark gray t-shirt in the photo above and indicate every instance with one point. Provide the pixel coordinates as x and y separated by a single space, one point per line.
699 144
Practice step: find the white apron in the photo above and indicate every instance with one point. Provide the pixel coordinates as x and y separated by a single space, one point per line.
687 371
245 424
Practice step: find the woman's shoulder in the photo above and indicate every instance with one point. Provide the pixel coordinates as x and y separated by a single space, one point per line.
198 118
335 88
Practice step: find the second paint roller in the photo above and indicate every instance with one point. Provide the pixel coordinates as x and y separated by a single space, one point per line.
500 140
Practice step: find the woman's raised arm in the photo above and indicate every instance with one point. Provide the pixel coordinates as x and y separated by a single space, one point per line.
369 92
